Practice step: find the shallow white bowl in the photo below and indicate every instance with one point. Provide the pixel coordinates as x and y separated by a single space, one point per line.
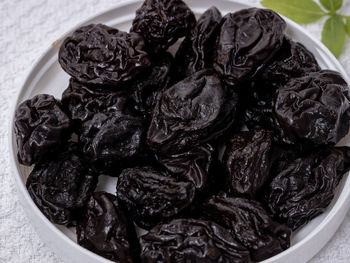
47 77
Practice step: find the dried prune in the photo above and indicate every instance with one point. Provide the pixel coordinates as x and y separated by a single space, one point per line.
314 109
61 185
112 138
163 22
105 230
292 61
40 126
250 224
192 165
148 85
306 186
82 102
190 113
248 39
152 197
190 240
247 159
98 54
196 51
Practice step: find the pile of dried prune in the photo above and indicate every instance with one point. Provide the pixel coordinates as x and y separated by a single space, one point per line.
218 152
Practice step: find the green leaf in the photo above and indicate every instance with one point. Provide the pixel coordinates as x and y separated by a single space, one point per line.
332 5
301 11
333 34
347 26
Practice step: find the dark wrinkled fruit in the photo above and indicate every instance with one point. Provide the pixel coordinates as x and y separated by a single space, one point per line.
82 102
314 109
163 22
61 185
306 186
190 113
147 87
110 139
196 51
247 159
292 61
250 224
189 240
40 127
192 165
98 54
248 39
152 197
105 230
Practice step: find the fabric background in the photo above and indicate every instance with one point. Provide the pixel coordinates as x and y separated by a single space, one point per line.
27 28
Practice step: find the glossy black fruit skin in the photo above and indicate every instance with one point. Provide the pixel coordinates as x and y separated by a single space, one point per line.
305 188
193 165
250 224
162 23
151 197
106 230
191 112
190 240
99 54
41 126
247 158
196 51
61 185
314 109
247 40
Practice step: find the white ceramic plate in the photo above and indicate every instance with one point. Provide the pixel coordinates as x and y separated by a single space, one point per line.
47 77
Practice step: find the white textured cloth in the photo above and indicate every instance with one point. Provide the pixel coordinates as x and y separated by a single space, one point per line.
27 28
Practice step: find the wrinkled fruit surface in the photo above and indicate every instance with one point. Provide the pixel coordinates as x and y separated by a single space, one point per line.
190 113
247 159
109 139
190 240
163 22
61 185
314 108
247 40
40 126
82 102
250 224
293 60
192 165
196 51
98 54
106 230
152 197
306 186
